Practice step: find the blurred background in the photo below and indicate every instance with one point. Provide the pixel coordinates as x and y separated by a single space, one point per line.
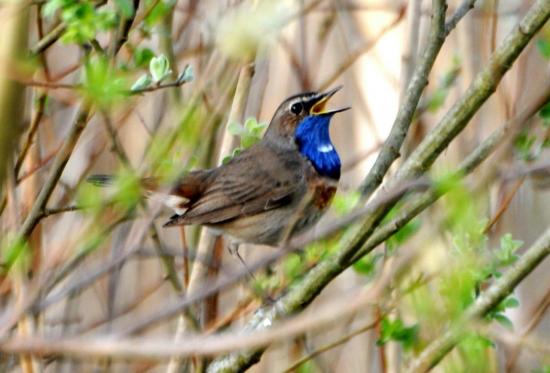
205 77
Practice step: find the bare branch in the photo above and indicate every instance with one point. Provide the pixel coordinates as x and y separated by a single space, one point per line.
391 149
81 118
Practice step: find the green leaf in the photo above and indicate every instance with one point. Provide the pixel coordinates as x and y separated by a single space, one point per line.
51 7
508 246
187 75
293 266
345 202
437 99
83 21
125 7
143 81
544 48
523 144
366 265
102 84
142 56
235 129
15 251
159 67
503 320
90 198
510 302
249 133
235 153
127 189
544 113
159 11
395 330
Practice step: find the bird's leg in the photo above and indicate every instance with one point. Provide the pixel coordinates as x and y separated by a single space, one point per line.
234 250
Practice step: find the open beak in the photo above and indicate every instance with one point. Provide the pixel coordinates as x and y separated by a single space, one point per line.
319 107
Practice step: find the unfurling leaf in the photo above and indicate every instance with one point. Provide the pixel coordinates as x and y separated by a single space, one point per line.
159 67
143 81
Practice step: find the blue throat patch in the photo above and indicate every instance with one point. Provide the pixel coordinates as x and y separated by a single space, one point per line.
313 139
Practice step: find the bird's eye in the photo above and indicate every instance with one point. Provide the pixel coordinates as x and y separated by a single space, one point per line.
296 108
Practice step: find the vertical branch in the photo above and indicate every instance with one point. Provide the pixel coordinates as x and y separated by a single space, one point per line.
391 149
14 31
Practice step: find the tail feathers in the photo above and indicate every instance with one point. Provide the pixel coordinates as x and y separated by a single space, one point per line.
173 201
101 180
179 198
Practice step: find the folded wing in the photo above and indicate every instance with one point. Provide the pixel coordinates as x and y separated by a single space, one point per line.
253 182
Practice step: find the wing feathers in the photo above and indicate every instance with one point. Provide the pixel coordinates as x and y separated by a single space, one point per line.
255 181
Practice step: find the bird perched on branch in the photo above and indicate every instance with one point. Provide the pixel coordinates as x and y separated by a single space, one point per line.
277 187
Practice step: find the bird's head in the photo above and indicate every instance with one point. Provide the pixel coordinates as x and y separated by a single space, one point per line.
294 110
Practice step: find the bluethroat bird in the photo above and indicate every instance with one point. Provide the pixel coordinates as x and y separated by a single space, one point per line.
276 188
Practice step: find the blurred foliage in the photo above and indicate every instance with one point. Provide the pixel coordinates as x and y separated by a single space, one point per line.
543 45
404 233
545 114
83 21
395 330
102 84
14 253
251 26
248 134
436 99
468 266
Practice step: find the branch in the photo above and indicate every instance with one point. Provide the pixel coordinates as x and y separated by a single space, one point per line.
437 350
457 118
480 154
207 345
60 210
61 159
156 87
460 12
50 38
391 149
479 91
14 31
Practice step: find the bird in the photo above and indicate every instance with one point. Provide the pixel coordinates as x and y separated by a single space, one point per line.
274 189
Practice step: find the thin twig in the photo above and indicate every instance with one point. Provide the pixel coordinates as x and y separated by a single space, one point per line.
331 345
50 38
459 13
207 345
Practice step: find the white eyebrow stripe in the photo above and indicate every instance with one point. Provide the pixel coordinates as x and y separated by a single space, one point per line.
325 148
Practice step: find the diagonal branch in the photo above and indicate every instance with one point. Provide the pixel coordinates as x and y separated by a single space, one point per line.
419 80
484 303
36 213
